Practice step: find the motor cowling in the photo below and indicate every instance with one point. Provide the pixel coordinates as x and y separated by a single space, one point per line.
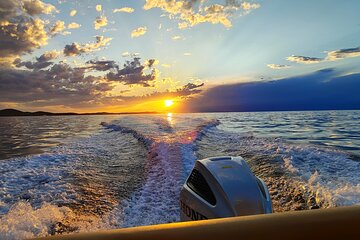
221 187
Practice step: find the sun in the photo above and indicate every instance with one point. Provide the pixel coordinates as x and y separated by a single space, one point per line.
168 102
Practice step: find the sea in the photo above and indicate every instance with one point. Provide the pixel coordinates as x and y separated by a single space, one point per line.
66 174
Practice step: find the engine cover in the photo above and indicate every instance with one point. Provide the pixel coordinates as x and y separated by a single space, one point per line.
221 187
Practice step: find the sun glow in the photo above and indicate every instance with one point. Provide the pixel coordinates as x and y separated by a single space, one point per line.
168 103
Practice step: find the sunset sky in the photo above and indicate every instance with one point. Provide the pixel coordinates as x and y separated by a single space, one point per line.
117 55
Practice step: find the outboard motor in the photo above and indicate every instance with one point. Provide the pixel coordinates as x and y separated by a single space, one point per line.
221 187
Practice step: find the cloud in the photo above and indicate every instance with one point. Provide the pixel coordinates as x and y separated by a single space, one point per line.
187 54
32 65
128 54
194 12
73 49
98 8
73 25
19 38
323 89
165 65
59 85
177 37
138 32
183 25
44 83
41 62
36 7
47 56
100 22
185 92
190 89
343 53
334 55
247 6
124 9
101 65
151 63
20 30
125 54
304 60
9 9
278 66
72 12
77 49
133 72
58 27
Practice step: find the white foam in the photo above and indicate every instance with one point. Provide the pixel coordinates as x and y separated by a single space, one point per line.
156 202
24 221
75 175
329 173
332 194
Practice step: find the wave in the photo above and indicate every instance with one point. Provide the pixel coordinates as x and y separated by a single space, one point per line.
141 138
330 174
23 221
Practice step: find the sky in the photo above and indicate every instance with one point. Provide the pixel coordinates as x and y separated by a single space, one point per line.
204 55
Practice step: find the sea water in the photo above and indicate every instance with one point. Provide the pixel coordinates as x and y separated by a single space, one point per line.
65 174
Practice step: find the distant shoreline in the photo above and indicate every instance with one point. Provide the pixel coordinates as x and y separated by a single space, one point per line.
18 113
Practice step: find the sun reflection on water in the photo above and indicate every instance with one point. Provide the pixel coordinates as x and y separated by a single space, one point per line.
170 118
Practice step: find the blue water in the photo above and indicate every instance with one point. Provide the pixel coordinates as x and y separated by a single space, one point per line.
84 173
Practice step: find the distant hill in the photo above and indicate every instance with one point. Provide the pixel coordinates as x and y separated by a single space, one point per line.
14 112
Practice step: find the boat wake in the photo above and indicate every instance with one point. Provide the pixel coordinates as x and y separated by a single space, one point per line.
170 158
